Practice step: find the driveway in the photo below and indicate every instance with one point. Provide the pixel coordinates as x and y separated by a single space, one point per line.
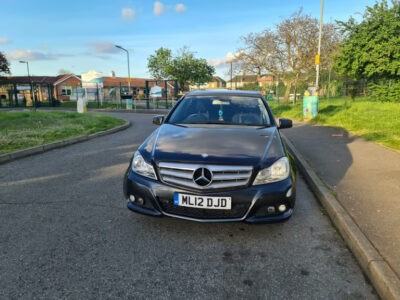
65 233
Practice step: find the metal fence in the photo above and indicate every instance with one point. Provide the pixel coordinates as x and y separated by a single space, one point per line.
37 95
26 95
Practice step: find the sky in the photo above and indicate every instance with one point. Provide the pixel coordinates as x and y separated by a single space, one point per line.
79 36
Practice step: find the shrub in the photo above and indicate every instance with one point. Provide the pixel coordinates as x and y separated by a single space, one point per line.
385 91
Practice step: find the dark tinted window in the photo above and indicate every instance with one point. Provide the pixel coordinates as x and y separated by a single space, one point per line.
236 110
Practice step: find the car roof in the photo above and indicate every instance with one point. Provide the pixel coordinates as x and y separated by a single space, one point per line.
224 92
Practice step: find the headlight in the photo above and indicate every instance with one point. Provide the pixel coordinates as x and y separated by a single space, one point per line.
278 171
141 167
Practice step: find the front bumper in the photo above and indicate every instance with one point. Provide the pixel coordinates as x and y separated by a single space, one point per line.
249 204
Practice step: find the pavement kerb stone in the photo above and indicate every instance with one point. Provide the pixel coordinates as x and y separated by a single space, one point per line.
25 152
4 158
53 145
390 286
382 276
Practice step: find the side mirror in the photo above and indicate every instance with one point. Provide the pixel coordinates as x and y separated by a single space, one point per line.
158 120
285 123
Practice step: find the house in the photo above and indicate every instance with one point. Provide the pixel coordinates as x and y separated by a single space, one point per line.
64 85
266 80
239 81
216 83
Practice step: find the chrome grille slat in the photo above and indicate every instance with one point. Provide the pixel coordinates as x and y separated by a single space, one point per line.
223 176
230 177
175 173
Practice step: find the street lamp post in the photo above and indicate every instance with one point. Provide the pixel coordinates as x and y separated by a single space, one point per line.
129 71
129 77
29 78
319 45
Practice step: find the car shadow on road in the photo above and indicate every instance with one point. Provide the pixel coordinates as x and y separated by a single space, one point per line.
325 148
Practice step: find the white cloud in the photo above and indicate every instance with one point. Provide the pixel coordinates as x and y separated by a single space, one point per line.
223 61
128 14
180 8
4 41
26 54
104 47
158 8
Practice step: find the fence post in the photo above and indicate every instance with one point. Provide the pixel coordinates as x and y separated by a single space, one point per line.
35 95
146 91
176 89
97 95
15 94
166 93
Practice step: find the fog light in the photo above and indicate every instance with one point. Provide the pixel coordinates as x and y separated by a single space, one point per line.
132 198
282 208
289 193
140 201
271 209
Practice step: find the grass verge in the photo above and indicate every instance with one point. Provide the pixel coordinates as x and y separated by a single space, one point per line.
20 130
374 121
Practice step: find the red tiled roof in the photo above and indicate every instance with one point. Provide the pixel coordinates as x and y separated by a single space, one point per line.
116 81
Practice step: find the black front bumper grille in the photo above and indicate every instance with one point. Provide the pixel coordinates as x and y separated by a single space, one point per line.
237 211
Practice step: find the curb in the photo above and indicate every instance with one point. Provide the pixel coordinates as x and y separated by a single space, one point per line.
382 276
4 158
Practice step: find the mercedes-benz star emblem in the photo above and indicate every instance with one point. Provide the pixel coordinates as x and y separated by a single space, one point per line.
202 176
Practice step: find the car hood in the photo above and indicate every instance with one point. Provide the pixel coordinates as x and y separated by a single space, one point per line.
238 145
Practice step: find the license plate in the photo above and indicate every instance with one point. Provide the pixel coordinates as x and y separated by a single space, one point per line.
202 201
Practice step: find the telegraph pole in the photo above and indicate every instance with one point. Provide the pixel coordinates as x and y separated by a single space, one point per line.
317 58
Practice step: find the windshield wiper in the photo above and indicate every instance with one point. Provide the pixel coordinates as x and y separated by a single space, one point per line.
260 125
214 123
178 124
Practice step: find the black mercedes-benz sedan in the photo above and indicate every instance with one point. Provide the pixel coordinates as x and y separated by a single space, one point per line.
217 156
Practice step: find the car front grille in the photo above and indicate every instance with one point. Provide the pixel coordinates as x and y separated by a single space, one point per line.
222 176
237 211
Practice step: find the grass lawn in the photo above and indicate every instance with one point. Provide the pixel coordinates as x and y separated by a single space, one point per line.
20 130
374 121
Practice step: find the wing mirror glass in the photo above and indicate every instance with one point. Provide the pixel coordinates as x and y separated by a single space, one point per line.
158 120
285 123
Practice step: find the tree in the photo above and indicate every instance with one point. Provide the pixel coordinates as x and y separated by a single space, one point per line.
184 67
4 64
288 51
158 63
63 72
370 49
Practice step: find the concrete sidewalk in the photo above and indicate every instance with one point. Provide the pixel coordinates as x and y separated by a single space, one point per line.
365 178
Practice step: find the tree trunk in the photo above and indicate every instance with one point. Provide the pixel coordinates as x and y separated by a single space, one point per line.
295 88
287 92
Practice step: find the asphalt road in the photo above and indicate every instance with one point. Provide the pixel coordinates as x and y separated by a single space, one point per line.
65 233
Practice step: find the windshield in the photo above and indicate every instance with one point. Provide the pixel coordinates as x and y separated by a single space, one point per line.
234 110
